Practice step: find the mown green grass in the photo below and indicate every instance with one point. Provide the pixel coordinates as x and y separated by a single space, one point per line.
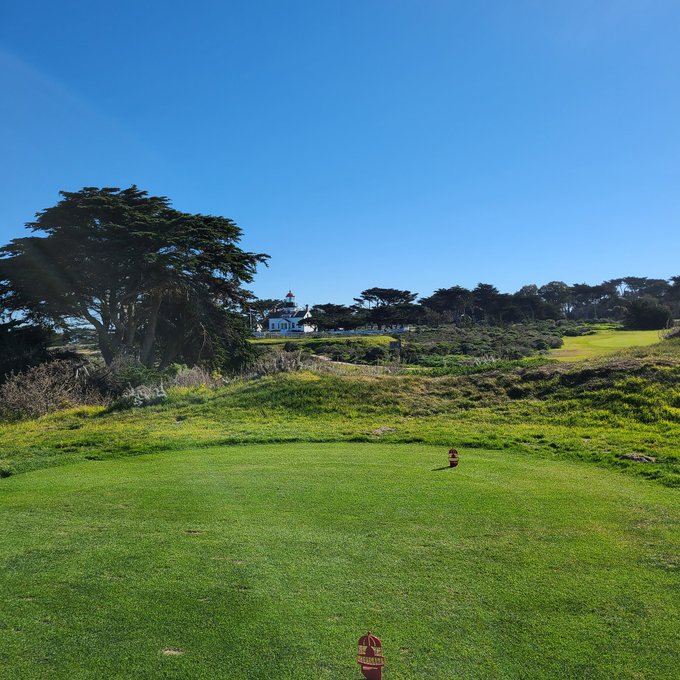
602 343
270 561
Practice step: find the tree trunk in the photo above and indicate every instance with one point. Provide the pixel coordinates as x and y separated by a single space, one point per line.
104 341
146 351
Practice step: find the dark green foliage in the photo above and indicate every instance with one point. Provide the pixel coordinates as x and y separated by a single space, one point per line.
401 314
258 310
443 346
386 297
330 317
350 350
125 373
154 283
485 304
646 315
452 302
446 346
22 346
388 307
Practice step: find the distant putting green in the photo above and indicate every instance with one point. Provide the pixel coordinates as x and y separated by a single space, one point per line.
269 562
603 342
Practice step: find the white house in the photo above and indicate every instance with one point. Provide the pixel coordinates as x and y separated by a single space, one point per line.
287 319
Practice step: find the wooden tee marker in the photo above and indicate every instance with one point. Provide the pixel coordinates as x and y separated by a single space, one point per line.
370 657
453 458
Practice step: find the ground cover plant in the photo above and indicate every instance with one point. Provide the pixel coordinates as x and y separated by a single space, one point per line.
360 349
439 346
269 561
314 342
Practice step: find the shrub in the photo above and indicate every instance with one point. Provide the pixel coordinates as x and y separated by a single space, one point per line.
22 346
48 387
127 372
275 362
195 377
143 395
376 354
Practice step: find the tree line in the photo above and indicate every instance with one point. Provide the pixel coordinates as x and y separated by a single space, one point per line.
639 302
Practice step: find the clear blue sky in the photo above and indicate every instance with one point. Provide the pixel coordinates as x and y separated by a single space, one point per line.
408 143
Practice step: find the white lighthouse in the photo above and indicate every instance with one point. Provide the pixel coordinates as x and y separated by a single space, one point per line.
288 318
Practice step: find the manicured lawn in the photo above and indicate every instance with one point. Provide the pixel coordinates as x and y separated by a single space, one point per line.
269 561
603 342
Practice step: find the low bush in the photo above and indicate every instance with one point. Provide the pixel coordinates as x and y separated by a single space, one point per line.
195 377
275 362
143 395
49 387
127 372
445 345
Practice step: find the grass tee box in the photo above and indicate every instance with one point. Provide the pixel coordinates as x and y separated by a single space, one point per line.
269 561
602 343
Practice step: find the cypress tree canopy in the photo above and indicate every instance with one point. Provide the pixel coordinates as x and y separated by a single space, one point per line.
154 282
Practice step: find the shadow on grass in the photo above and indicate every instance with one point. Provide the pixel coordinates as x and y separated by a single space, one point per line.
445 467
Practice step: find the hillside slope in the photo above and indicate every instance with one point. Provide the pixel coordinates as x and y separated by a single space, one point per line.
595 411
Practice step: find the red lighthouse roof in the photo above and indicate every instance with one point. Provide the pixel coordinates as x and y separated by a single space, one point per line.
290 294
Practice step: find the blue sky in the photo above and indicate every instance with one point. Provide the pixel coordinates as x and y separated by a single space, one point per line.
408 143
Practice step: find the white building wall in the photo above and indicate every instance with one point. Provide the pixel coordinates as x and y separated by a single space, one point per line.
284 325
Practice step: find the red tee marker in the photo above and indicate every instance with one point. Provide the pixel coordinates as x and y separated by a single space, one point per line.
453 458
370 657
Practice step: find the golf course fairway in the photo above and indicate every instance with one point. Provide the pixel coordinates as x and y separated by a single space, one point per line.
601 343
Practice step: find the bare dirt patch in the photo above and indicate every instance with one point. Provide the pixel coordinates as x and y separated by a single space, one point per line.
172 651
